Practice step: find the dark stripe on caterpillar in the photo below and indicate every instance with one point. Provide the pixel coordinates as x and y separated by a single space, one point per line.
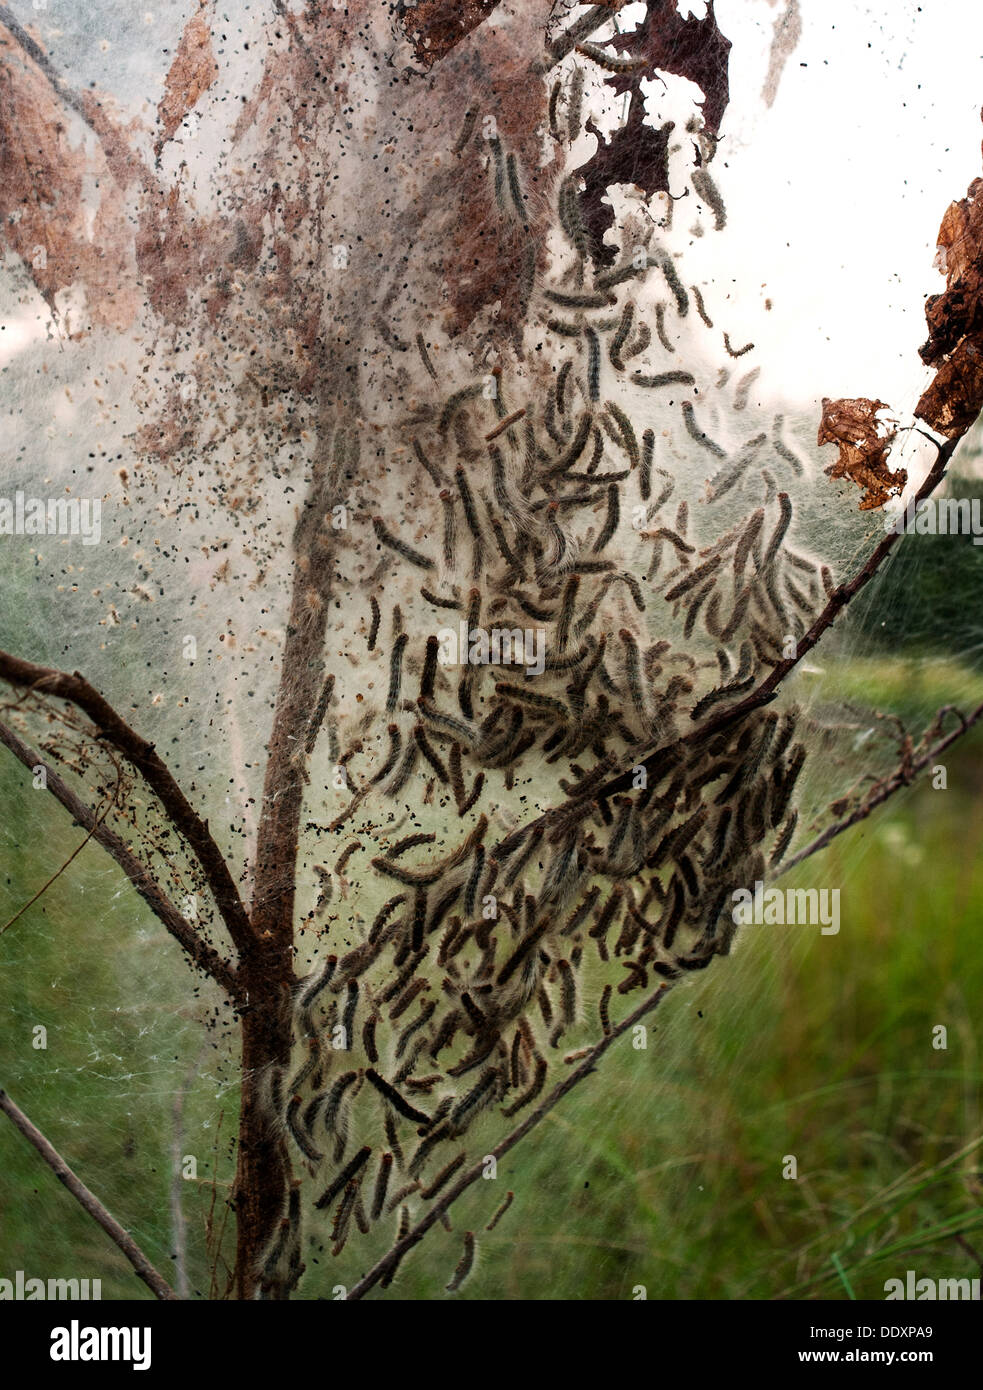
515 187
394 543
351 1169
593 364
467 130
645 474
429 668
431 468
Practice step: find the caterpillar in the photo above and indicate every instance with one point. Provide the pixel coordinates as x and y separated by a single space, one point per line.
586 300
720 693
531 1091
708 192
515 187
335 1097
425 356
396 672
575 103
446 723
593 364
464 1265
398 1102
664 379
620 336
785 505
347 1174
431 468
443 1177
700 307
736 352
782 449
339 1233
553 103
317 718
660 328
400 547
783 839
627 432
611 62
694 431
503 1208
576 447
467 130
744 387
467 498
450 527
454 403
406 1036
611 521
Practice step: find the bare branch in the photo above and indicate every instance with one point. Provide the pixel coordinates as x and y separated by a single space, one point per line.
392 1258
77 691
884 790
143 1268
203 955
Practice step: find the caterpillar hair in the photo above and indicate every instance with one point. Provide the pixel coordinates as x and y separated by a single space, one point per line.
429 668
700 307
708 193
503 1208
531 1091
611 521
464 1265
435 473
694 432
638 344
321 982
603 1010
692 578
368 1039
398 1103
564 330
443 1177
568 991
382 917
406 1036
347 1175
736 352
664 262
784 784
412 990
747 540
467 498
574 449
829 584
317 718
351 1004
346 854
593 364
454 403
660 327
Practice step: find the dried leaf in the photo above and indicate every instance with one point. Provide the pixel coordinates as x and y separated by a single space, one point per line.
434 27
864 445
955 321
193 71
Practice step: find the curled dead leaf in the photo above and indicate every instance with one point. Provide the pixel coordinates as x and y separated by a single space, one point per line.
955 321
864 445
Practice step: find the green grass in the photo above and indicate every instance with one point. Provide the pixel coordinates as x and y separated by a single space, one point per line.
664 1170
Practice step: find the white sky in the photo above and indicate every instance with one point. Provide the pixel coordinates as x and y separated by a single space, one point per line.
835 203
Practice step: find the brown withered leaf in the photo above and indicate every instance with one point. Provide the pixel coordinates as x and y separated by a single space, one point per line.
637 153
434 27
955 321
193 71
864 445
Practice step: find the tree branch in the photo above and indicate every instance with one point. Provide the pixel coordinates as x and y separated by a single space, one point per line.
194 830
883 791
203 955
392 1258
142 1267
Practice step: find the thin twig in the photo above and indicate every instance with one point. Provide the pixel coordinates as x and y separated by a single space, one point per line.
393 1256
203 955
144 757
142 1267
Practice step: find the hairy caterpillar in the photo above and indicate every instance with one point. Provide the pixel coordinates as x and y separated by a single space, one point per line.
503 1208
736 352
342 1179
700 307
400 547
708 192
464 1265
